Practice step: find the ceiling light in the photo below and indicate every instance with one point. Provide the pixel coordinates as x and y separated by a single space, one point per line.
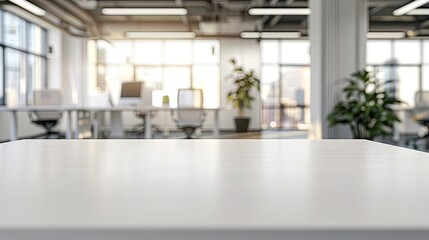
279 11
419 11
160 35
280 34
411 33
145 11
29 7
250 35
273 35
409 7
388 35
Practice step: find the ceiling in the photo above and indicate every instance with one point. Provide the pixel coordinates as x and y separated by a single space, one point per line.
209 17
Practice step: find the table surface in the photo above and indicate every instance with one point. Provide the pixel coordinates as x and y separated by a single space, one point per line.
212 184
39 108
94 108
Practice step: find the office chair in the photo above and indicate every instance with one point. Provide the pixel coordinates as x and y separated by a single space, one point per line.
140 128
421 116
46 119
189 113
134 93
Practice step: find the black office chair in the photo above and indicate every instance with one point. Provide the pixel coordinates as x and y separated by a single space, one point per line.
421 116
46 119
189 114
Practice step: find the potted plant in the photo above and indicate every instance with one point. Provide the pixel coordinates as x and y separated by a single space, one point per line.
240 96
366 108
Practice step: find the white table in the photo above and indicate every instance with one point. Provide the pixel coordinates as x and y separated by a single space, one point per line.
212 189
116 118
13 117
115 113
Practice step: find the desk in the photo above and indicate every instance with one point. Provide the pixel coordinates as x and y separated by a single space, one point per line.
212 189
13 117
116 117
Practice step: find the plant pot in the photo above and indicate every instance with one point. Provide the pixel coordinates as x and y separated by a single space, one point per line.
242 124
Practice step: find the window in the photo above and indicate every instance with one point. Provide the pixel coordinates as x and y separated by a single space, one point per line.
405 61
23 49
285 83
13 30
163 65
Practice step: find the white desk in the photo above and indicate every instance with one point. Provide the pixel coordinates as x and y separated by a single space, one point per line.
13 117
212 189
116 117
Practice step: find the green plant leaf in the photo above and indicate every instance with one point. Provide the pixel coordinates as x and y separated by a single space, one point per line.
244 81
366 107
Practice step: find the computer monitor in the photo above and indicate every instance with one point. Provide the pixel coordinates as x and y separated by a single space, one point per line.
131 93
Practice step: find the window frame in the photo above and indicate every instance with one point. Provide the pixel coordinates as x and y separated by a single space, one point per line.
26 53
277 107
420 65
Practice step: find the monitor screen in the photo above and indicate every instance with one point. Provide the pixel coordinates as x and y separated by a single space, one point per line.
131 90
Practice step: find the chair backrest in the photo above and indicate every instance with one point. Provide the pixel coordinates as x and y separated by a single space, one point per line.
190 98
192 102
422 100
47 98
131 93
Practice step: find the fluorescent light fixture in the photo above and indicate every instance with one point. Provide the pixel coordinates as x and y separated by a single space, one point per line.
274 35
29 7
419 11
279 11
250 35
409 7
280 34
160 35
388 35
145 11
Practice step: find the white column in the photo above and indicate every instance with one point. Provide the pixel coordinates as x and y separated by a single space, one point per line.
337 30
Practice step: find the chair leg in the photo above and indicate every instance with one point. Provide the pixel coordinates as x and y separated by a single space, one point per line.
37 136
56 133
427 138
189 131
413 141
